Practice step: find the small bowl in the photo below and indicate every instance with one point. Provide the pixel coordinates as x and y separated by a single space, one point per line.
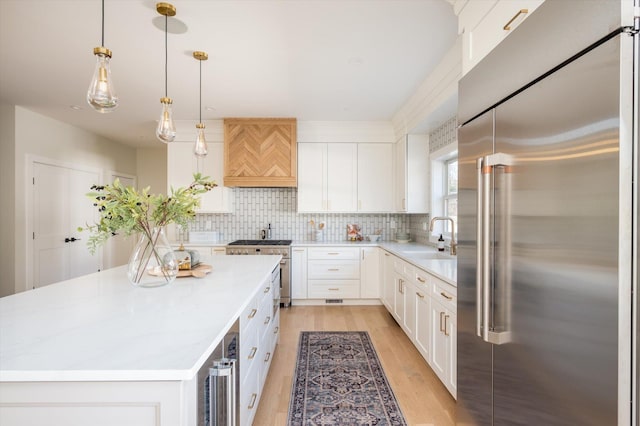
374 238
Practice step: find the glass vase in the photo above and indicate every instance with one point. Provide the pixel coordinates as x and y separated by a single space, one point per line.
152 263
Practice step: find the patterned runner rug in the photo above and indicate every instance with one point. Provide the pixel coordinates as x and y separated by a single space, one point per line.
339 381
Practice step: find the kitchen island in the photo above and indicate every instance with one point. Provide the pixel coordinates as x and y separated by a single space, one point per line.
96 350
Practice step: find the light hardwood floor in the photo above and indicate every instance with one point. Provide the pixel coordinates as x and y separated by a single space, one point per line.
422 397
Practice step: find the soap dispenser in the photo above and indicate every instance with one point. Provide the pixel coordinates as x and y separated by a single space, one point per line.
440 243
269 232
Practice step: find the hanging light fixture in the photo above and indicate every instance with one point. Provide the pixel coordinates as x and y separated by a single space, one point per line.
200 149
166 130
101 94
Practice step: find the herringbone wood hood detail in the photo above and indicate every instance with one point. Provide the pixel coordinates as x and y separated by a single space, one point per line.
260 152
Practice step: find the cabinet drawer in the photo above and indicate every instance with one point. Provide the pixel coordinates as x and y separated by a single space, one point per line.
422 280
265 316
249 395
336 289
333 269
445 294
249 351
404 268
249 315
329 253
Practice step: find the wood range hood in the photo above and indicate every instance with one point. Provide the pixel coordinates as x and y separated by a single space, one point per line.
260 152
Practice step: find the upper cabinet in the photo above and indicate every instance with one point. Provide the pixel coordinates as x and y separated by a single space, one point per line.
375 177
260 152
412 174
327 177
345 177
182 163
484 24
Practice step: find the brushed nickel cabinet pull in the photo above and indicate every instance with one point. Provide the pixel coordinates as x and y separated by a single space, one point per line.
252 353
266 290
445 295
387 254
333 269
422 280
266 320
520 12
441 315
253 313
333 289
421 296
276 330
266 359
253 400
299 250
333 253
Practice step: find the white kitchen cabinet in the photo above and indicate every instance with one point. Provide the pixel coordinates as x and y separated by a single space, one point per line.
182 164
298 273
388 281
327 177
345 177
443 343
370 272
423 323
412 174
375 177
409 317
342 177
312 171
333 273
484 24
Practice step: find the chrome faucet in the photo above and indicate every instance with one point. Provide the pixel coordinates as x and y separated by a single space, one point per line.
454 245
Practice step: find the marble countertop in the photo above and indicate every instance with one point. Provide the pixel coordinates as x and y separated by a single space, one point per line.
100 328
426 257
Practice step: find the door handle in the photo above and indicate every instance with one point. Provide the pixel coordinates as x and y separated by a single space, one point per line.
485 167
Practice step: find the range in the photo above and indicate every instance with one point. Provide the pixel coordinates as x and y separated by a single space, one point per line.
274 247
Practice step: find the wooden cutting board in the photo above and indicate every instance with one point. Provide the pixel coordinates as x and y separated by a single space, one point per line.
199 271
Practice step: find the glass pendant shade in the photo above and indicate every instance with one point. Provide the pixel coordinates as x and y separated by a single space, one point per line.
101 94
166 130
200 149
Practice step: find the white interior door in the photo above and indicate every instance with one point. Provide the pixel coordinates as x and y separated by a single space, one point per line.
118 248
60 207
51 222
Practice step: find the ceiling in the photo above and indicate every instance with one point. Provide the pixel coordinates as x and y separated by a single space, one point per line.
325 60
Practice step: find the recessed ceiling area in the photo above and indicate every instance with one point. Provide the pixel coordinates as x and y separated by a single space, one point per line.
320 60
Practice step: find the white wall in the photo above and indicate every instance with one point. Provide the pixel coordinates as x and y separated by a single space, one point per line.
42 136
151 165
7 197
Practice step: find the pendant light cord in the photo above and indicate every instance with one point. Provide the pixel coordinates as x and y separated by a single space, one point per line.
166 56
200 90
102 23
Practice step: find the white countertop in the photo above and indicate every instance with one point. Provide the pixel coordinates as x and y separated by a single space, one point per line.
414 253
100 328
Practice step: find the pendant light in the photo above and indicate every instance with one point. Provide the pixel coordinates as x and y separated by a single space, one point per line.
166 130
200 149
101 94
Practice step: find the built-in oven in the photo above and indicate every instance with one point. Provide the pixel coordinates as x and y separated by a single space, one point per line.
273 247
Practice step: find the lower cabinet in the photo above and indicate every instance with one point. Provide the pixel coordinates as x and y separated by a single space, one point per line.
388 281
259 330
425 308
298 273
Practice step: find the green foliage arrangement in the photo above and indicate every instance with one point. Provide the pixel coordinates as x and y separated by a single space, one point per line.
125 210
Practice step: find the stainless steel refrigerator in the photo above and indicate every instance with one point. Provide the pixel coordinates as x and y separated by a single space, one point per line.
547 144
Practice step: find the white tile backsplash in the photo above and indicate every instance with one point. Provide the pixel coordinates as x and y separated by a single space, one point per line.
255 208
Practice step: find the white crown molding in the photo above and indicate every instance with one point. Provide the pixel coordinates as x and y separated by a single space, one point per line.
435 90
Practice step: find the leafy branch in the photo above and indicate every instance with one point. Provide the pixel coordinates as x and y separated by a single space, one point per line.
125 210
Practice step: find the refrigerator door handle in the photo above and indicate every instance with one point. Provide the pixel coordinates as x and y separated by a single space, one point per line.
486 166
479 251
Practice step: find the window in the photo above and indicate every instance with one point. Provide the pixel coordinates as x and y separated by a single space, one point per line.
444 190
450 198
